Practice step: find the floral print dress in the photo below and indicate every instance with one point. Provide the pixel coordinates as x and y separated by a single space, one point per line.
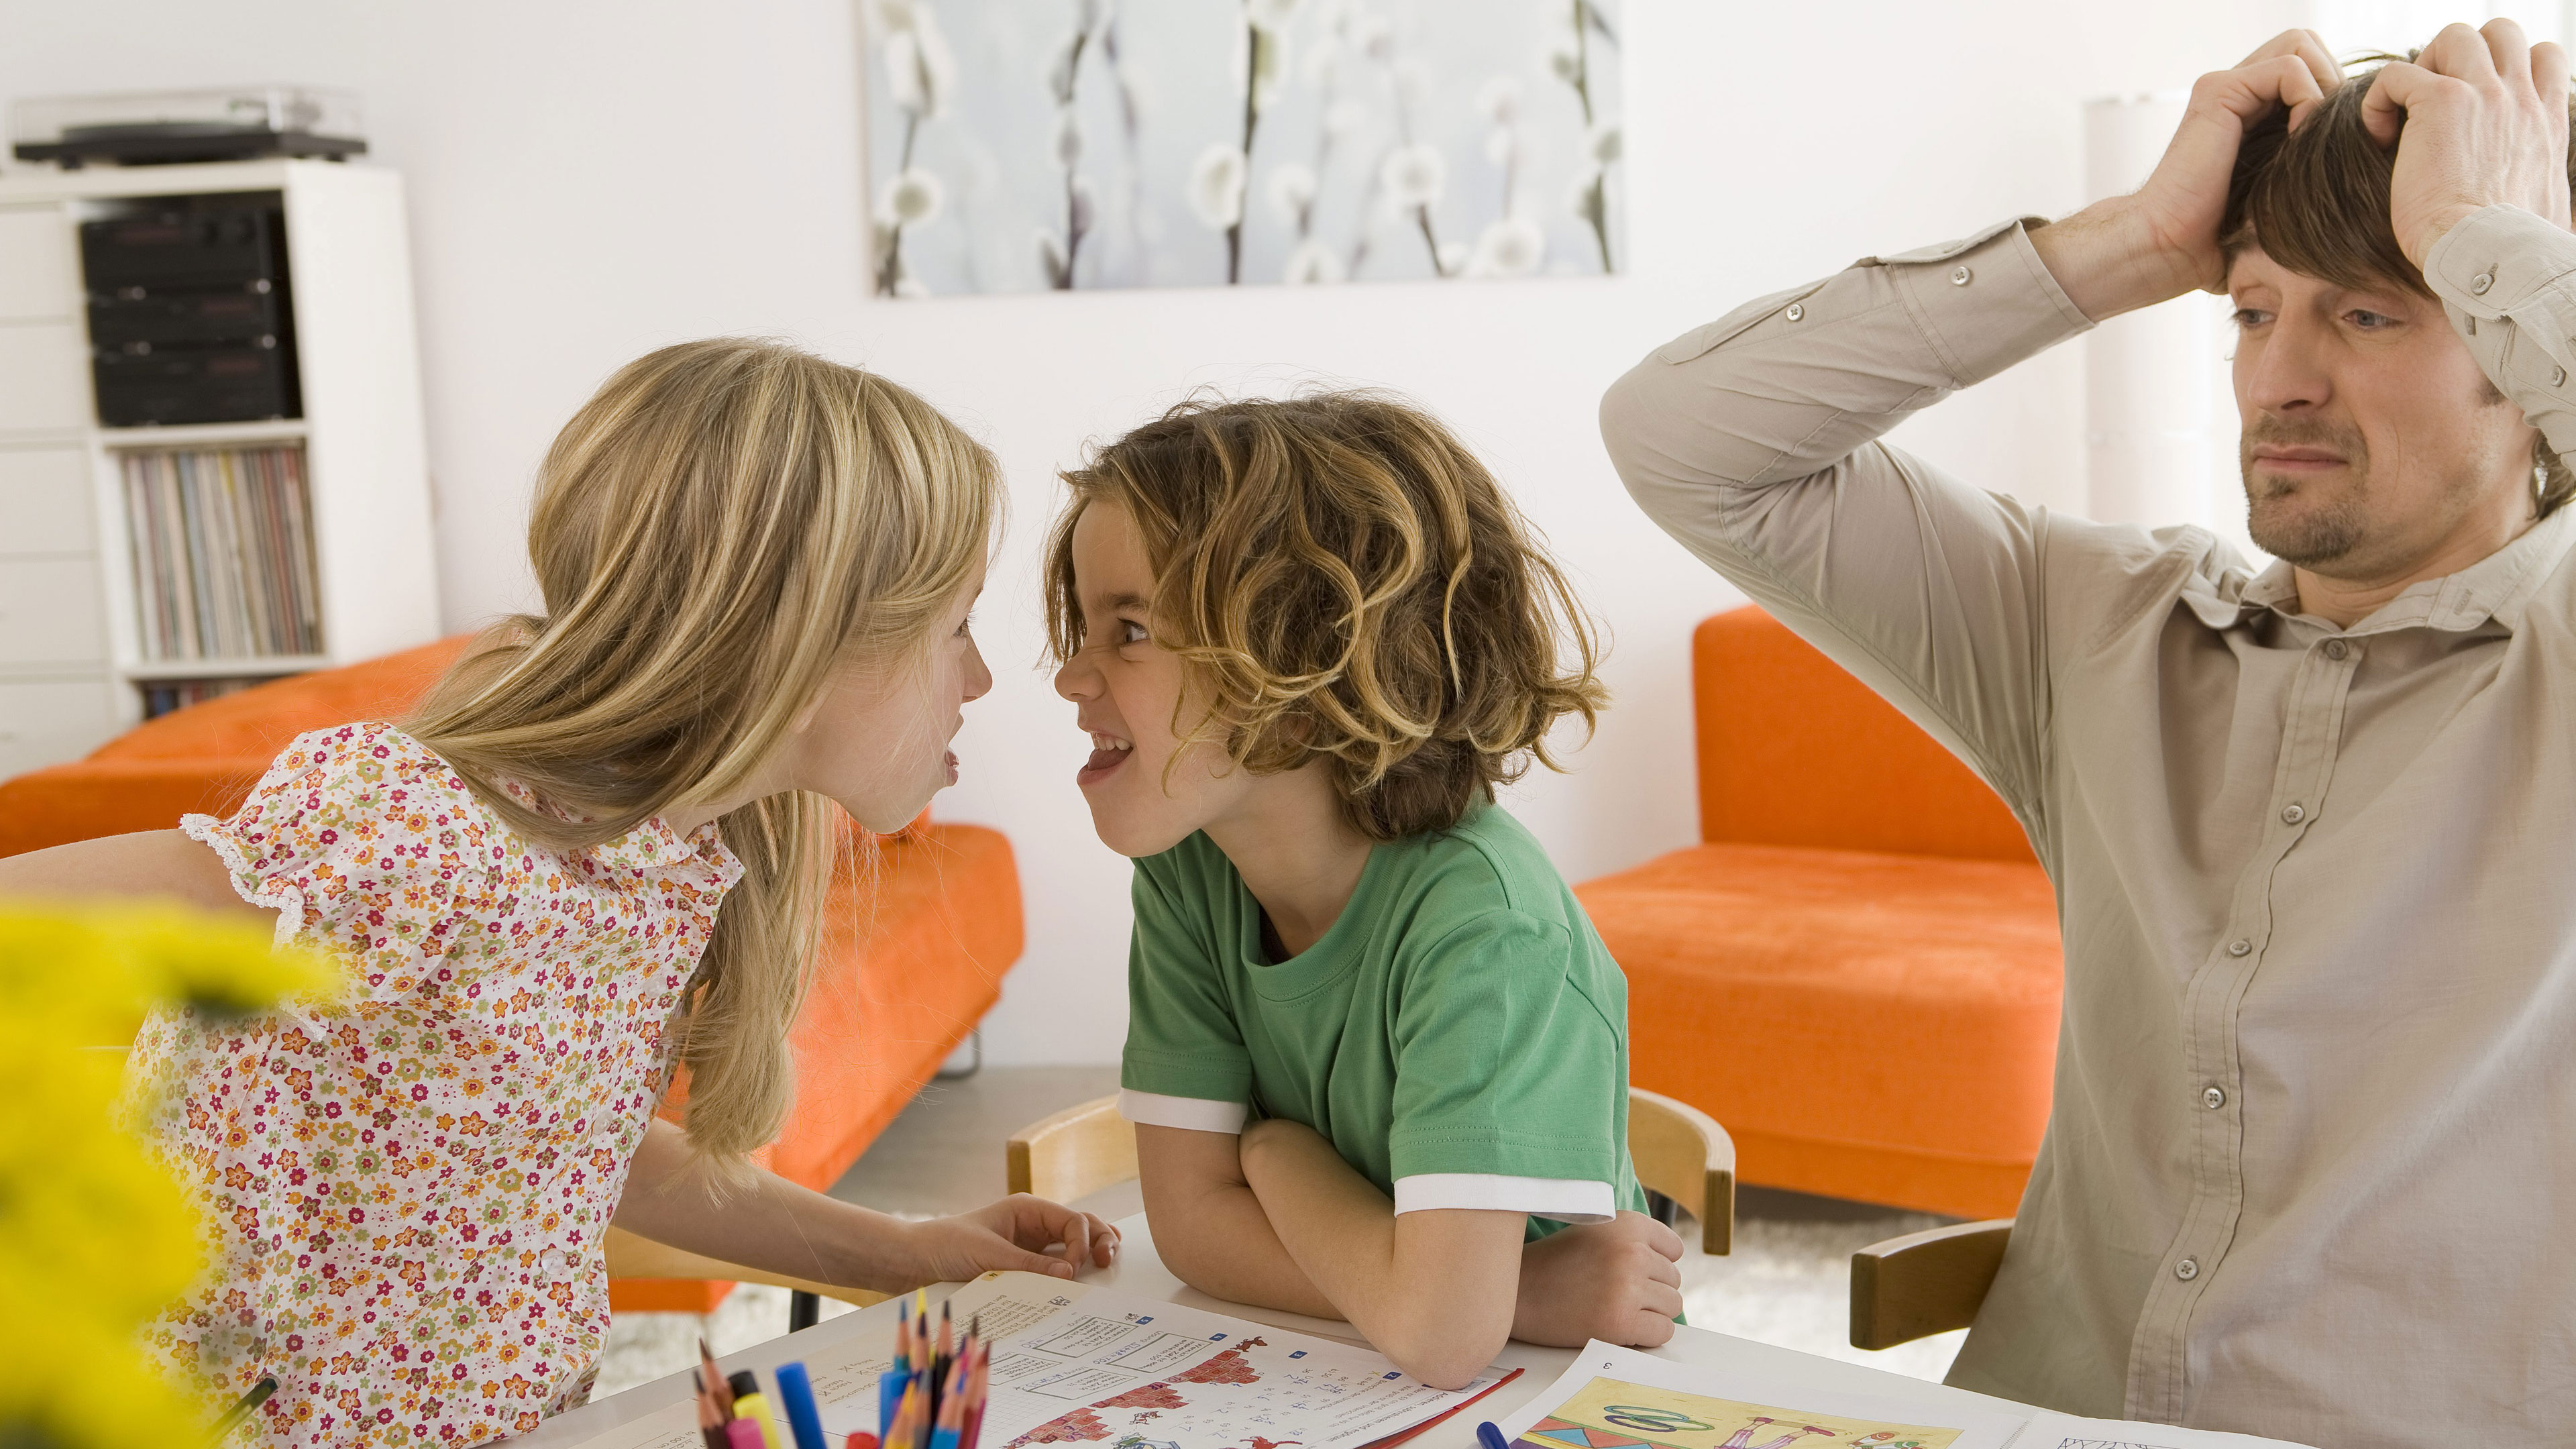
405 1189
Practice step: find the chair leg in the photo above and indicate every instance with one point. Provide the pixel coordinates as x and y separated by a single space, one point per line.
1664 1209
804 1310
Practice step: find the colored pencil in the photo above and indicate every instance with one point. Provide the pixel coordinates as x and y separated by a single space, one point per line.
717 1388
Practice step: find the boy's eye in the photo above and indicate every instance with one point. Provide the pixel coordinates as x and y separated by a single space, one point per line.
1130 632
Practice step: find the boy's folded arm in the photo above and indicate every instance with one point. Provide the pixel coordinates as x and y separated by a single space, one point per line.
1434 1290
1208 1227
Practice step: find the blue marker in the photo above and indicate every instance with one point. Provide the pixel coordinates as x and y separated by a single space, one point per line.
1489 1436
797 1393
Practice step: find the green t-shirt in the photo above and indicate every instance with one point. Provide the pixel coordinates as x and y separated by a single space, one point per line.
1460 1035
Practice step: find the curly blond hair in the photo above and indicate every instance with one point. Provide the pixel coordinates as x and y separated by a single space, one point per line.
1345 581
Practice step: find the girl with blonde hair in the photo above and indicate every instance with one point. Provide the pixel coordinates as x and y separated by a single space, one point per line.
595 853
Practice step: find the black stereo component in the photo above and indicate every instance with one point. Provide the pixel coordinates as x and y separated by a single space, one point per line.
190 320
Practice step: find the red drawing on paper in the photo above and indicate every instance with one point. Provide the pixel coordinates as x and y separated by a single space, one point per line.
1260 1443
1152 1396
1234 1366
1078 1427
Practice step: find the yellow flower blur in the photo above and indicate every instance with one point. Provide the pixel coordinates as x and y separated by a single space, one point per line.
95 1237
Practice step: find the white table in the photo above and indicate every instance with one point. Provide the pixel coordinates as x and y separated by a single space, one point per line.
1141 1272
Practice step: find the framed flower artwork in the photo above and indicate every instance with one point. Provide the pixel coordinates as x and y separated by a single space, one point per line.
1026 145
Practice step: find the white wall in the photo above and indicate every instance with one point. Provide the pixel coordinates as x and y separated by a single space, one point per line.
591 179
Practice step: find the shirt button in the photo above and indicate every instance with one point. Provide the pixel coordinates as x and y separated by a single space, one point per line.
2337 650
2293 814
1961 277
2481 282
2187 1269
2239 948
1796 311
2214 1098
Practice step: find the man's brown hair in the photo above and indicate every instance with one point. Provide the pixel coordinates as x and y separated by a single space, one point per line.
2316 201
1344 581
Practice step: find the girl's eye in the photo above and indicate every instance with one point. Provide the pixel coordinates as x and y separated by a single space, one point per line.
966 626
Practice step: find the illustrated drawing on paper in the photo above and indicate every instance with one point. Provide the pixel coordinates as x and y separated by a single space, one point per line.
1611 1414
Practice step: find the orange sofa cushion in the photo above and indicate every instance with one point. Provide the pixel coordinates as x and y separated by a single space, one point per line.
1867 1025
1794 751
1859 972
204 759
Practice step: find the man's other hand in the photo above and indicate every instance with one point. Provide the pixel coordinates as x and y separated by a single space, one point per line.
2479 118
2135 251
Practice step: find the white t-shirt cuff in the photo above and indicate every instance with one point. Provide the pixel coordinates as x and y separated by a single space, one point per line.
1195 1114
1567 1199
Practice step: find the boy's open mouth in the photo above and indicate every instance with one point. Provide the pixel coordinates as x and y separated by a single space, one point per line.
1108 752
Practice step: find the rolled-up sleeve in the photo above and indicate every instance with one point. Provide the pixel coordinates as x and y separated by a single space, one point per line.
1754 441
2507 279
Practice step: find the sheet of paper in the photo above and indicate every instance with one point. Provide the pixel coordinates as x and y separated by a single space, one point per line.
2051 1430
1617 1398
1078 1365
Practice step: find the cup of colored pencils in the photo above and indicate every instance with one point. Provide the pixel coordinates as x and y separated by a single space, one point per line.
933 1397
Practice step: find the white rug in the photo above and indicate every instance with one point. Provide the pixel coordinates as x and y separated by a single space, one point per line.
1787 1283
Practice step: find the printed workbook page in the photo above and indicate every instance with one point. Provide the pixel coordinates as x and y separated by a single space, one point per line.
1078 1365
2062 1431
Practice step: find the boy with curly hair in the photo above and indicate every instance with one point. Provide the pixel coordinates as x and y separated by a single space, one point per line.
1378 1059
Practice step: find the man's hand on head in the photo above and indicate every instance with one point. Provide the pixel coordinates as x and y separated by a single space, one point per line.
2479 118
2135 251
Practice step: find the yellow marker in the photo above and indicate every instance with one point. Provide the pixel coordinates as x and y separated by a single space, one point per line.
750 1403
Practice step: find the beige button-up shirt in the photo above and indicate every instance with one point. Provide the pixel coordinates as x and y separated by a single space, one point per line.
2311 1171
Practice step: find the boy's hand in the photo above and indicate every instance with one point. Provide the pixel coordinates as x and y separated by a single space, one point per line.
2479 118
1015 1233
1619 1281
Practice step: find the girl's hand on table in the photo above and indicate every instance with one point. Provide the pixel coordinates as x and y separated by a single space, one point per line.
1022 1233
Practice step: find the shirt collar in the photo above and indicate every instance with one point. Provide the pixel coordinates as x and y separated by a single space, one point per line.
2498 587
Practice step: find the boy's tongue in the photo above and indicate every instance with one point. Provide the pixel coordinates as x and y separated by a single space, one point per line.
1103 759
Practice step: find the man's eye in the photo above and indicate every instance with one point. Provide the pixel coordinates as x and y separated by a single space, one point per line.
2248 317
2369 321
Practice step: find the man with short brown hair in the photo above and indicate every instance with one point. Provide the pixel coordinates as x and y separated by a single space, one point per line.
2311 828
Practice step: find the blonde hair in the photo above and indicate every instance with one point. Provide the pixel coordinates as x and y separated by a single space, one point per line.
721 526
1345 581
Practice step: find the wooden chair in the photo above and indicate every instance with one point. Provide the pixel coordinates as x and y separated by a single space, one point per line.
1680 1153
1924 1283
630 1256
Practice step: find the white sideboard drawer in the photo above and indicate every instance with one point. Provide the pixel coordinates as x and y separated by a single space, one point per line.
51 612
47 721
44 377
45 501
38 276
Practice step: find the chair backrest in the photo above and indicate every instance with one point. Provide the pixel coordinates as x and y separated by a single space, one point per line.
1794 751
1679 1151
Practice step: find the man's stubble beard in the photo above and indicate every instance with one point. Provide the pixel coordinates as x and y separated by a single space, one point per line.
2324 530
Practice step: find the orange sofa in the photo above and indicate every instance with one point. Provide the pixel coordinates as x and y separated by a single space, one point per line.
915 943
1858 971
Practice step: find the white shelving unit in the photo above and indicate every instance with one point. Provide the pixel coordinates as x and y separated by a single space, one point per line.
73 662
